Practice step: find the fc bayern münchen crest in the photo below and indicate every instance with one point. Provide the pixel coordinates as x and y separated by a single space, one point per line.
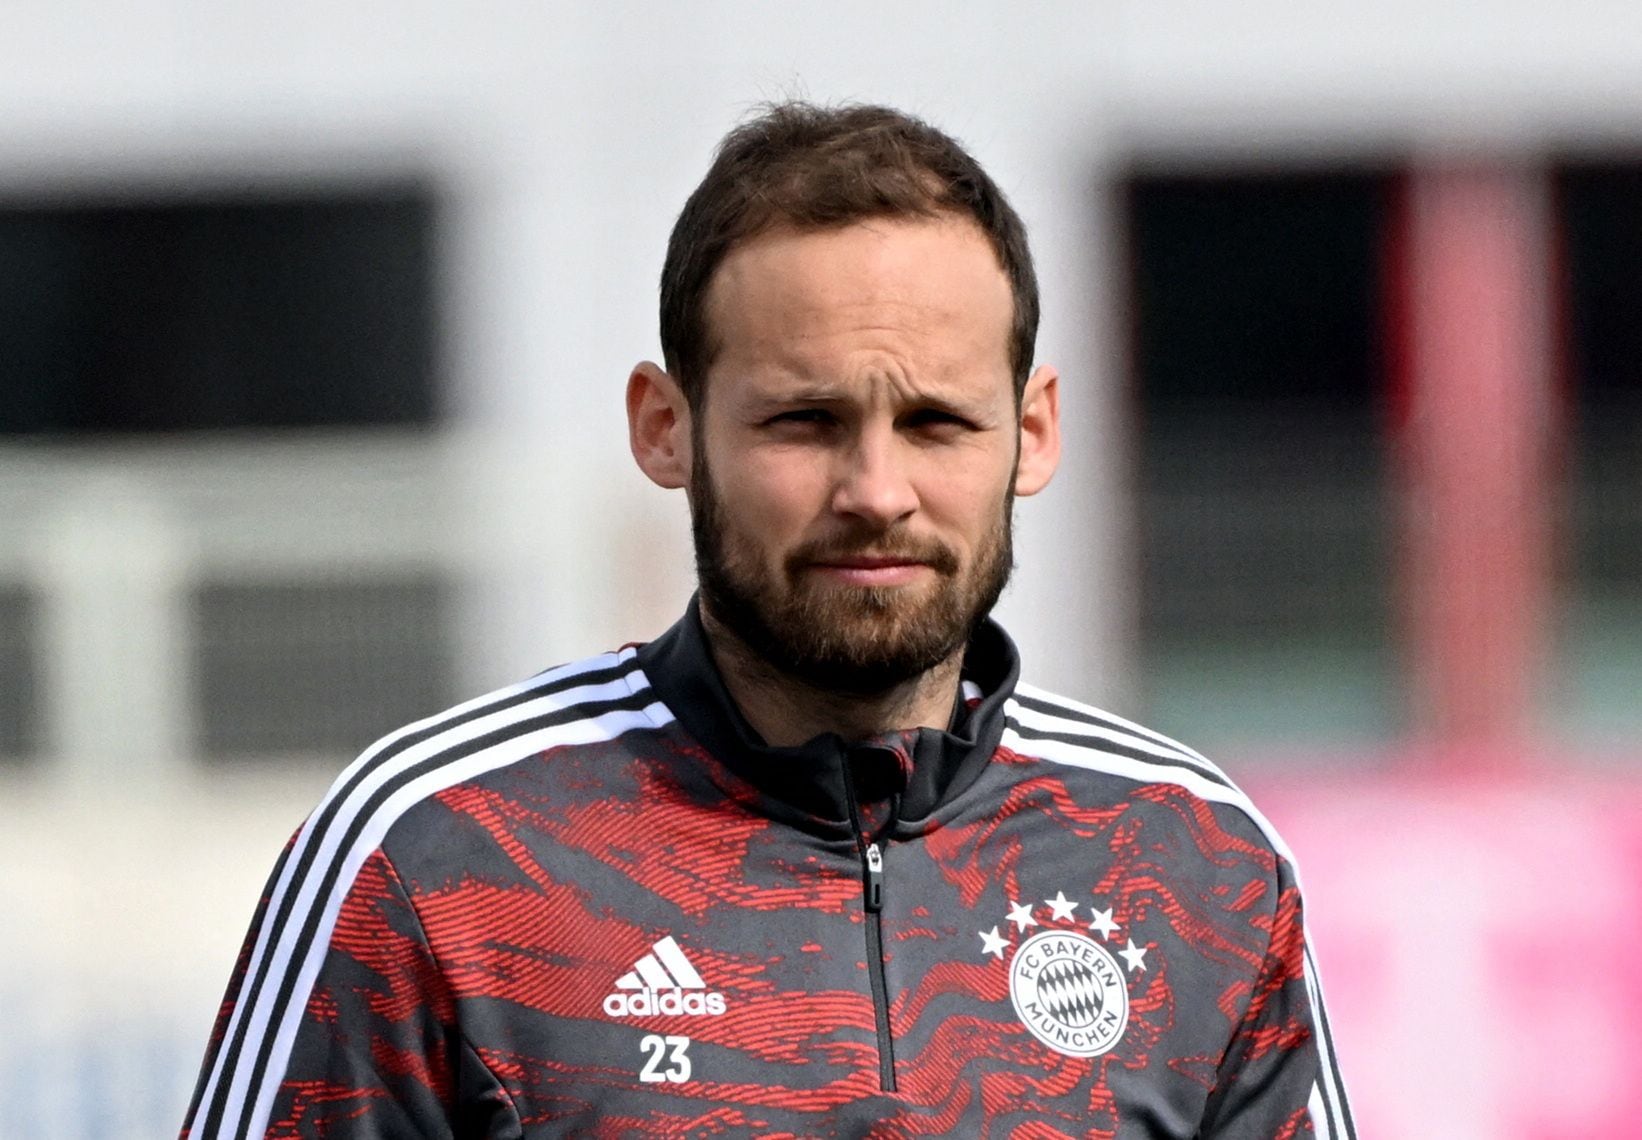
1069 992
1068 989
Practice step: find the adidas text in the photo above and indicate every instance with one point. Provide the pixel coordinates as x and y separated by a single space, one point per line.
641 1003
662 981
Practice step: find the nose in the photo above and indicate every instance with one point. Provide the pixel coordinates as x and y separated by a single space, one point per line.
874 482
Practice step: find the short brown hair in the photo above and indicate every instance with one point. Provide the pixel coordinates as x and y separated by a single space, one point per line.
797 164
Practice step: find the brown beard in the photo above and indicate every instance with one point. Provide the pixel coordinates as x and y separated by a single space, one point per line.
860 640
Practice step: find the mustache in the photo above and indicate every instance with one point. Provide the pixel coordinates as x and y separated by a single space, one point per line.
931 552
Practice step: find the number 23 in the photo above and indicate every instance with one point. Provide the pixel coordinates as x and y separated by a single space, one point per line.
669 1049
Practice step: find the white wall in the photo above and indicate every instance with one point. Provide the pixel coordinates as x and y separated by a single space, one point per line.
566 136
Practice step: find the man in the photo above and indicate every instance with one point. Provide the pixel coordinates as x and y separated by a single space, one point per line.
813 862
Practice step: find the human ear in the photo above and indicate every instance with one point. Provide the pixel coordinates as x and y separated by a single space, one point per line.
658 426
1040 432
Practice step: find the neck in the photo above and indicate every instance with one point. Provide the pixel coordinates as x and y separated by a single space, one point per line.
787 711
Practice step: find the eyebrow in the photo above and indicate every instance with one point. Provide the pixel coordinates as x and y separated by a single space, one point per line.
807 393
821 393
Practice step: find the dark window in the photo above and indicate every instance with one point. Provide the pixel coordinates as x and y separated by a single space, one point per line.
1598 682
1263 509
318 668
272 311
20 695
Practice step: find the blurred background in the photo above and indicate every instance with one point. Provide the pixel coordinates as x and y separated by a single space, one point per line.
314 322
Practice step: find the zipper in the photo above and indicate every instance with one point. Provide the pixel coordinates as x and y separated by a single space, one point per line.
874 878
872 898
872 884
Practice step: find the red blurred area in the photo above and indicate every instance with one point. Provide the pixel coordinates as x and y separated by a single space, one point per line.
1478 941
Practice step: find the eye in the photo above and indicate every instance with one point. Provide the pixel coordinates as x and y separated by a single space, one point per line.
800 417
936 420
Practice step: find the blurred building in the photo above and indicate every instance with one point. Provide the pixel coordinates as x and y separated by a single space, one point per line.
314 320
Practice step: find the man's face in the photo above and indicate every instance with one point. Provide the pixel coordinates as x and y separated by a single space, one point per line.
854 458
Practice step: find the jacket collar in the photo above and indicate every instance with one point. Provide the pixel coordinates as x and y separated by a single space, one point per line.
898 780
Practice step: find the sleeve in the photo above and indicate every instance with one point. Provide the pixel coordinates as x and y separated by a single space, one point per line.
1278 1077
351 1038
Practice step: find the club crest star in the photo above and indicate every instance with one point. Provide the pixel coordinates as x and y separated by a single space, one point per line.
1021 915
992 942
1133 956
1103 924
1061 908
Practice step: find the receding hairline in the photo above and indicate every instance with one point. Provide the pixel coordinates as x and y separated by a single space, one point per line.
803 166
958 220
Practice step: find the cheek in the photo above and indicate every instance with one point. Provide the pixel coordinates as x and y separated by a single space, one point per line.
966 497
771 498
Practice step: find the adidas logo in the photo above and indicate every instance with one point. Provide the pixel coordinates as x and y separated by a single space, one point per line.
663 981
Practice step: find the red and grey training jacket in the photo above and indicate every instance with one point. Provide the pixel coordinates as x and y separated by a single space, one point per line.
597 904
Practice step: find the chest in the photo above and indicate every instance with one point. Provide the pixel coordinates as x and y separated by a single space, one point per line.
669 963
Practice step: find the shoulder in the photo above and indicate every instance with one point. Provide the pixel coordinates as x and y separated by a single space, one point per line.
583 702
337 858
1061 731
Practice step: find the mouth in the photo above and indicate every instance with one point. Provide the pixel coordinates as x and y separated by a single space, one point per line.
871 572
882 570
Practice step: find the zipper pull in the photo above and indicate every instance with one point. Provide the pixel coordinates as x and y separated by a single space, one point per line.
875 878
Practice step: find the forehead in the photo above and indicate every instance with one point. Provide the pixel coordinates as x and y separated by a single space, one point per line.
927 293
